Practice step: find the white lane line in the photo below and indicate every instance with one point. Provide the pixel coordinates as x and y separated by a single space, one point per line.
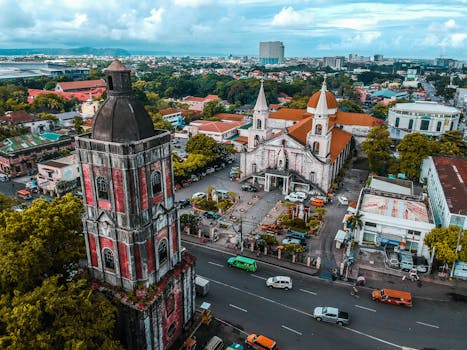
231 325
377 339
365 308
215 264
291 330
237 307
427 324
256 276
307 291
261 297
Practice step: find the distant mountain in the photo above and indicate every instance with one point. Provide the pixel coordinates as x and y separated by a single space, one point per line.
78 51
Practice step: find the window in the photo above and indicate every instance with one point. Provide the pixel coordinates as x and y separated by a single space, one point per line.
258 124
111 83
163 251
424 125
397 122
410 124
318 129
109 259
438 126
102 191
169 299
415 233
156 183
171 330
256 140
371 224
315 147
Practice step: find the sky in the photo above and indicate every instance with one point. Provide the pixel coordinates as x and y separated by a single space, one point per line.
308 28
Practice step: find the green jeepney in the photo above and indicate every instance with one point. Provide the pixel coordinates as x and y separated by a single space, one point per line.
242 263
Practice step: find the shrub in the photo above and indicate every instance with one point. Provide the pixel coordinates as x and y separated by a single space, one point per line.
270 239
294 248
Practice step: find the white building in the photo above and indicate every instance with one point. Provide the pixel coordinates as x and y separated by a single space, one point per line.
271 52
58 176
425 117
445 178
393 219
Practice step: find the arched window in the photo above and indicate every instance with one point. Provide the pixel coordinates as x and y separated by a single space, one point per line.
397 122
258 124
109 259
315 147
256 140
410 124
163 251
318 129
102 188
156 183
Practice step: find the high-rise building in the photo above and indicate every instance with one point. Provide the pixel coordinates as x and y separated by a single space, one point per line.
271 52
131 224
336 62
378 57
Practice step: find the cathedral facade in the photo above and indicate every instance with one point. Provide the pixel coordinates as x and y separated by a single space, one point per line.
131 224
295 149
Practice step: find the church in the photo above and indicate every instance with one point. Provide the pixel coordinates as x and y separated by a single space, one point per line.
295 149
131 225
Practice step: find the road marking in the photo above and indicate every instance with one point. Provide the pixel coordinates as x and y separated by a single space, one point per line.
292 330
256 276
365 308
215 264
238 307
377 339
427 324
307 291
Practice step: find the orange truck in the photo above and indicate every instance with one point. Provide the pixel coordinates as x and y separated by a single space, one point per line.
392 296
275 228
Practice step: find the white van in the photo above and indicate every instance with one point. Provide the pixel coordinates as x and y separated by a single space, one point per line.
215 343
4 178
282 282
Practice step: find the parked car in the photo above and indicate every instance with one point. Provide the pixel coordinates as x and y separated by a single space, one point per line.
4 178
215 343
282 282
343 200
260 342
393 260
249 188
406 261
392 296
317 202
274 228
292 197
211 215
293 241
301 195
201 286
297 235
331 314
184 203
200 195
420 264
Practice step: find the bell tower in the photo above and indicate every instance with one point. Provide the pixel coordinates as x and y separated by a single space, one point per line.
130 223
259 131
319 137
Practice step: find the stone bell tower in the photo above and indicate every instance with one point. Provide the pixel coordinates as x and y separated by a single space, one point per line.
131 224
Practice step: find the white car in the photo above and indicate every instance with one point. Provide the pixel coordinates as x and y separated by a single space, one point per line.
343 200
199 195
282 282
292 197
301 195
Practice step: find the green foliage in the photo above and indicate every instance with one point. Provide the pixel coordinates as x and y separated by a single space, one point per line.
207 204
13 97
269 239
78 124
213 107
313 222
191 220
377 147
413 148
320 211
445 241
380 111
52 103
294 248
355 221
452 143
6 202
298 102
350 106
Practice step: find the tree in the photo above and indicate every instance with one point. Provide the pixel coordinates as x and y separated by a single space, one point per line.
6 202
78 124
377 147
49 103
56 316
201 144
190 220
213 107
380 111
298 102
413 149
452 143
445 241
350 106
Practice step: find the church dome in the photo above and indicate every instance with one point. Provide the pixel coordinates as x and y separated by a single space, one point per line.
330 100
121 118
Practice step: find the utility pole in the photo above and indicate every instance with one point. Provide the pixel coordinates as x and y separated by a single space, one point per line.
241 234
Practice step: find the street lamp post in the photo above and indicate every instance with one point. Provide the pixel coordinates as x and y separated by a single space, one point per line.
458 249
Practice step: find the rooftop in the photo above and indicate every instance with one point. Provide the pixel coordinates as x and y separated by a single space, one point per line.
425 107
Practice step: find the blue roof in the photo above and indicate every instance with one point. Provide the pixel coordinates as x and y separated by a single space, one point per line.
384 93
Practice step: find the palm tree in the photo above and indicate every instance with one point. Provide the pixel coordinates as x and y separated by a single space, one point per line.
354 222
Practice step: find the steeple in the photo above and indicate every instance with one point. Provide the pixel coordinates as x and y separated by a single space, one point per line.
261 104
322 107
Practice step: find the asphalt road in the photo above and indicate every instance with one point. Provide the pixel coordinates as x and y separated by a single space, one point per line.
242 299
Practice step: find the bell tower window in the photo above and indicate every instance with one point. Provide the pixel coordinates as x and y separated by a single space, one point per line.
315 147
318 129
102 188
163 251
111 83
258 124
109 262
156 183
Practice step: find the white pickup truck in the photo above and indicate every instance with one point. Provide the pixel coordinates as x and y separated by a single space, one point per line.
331 314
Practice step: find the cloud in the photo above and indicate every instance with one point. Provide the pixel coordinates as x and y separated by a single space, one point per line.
289 17
450 24
192 3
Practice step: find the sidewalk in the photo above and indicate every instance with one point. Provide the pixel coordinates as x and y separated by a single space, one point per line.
427 288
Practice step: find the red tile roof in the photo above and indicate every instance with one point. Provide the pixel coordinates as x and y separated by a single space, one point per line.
290 114
362 119
168 111
301 129
69 86
194 99
241 139
18 117
216 127
452 173
330 100
339 140
82 96
230 116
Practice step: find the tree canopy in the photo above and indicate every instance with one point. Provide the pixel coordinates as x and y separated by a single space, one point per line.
377 147
445 241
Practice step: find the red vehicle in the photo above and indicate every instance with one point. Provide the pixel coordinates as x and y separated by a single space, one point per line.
275 228
391 296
